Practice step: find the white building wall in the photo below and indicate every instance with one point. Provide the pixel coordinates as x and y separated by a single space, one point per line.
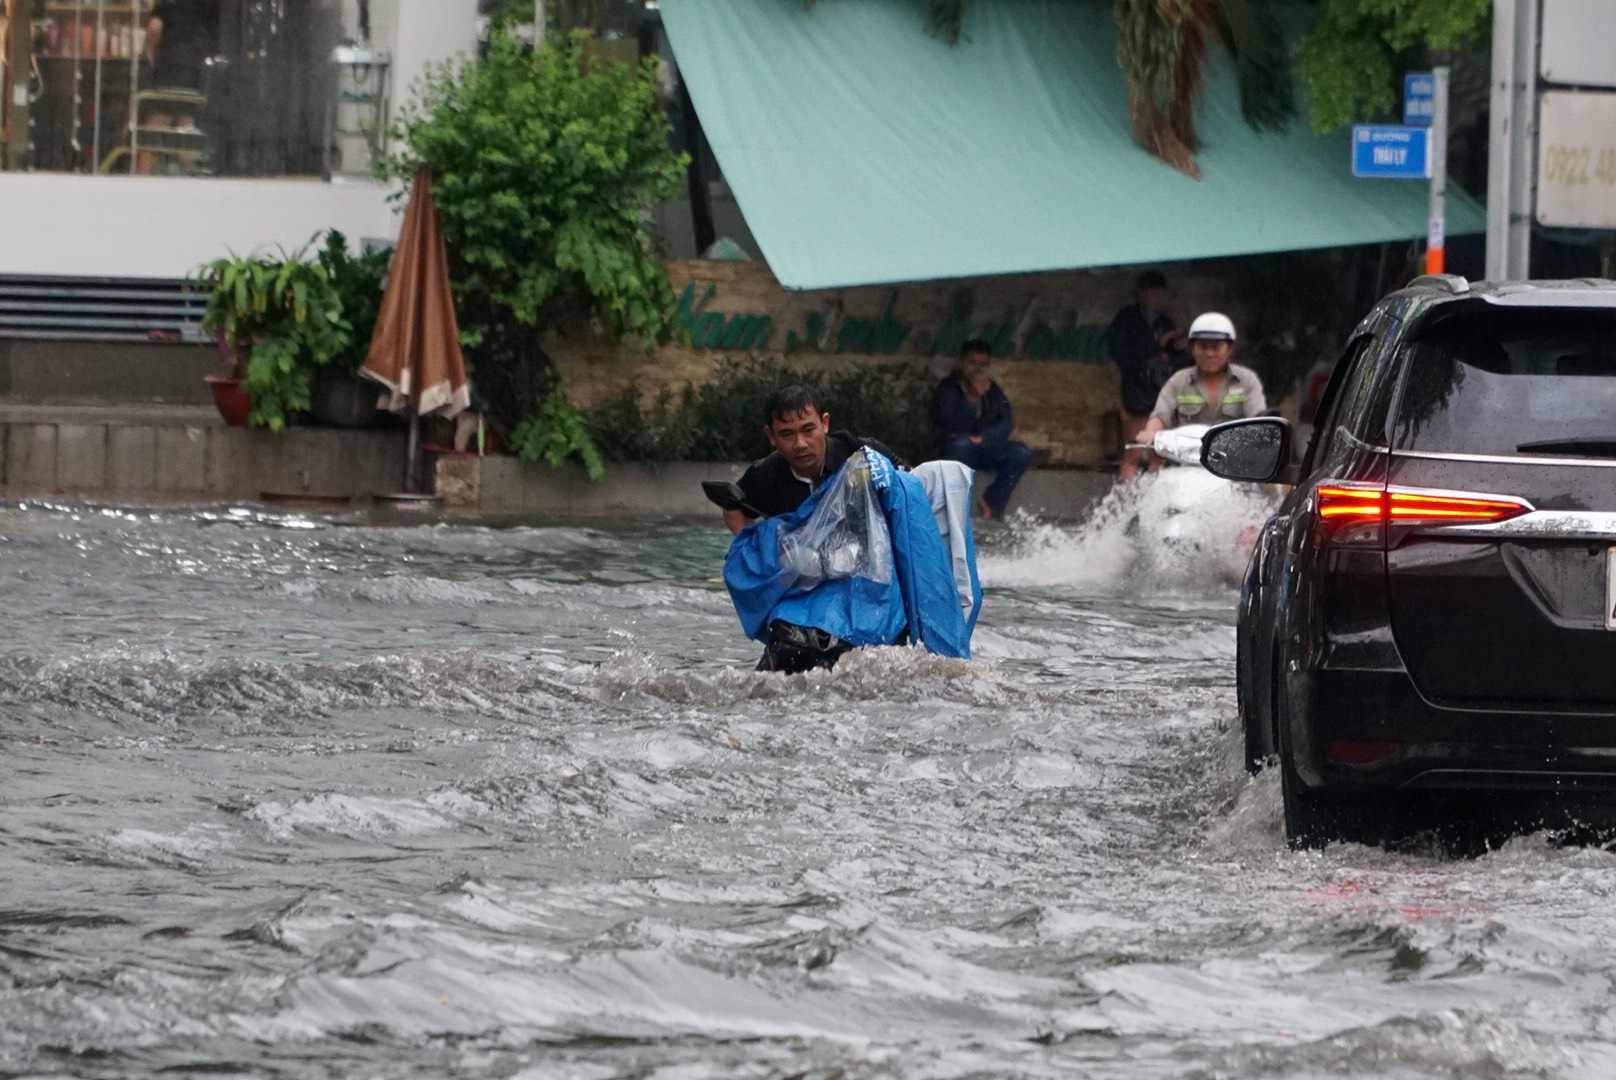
429 32
133 226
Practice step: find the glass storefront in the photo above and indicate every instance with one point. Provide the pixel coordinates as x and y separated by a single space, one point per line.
232 88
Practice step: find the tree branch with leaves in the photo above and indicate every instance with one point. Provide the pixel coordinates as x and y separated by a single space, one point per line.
544 165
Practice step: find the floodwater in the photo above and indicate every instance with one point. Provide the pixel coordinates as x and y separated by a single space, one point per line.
290 796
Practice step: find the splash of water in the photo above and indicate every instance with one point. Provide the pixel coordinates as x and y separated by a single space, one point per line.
1176 530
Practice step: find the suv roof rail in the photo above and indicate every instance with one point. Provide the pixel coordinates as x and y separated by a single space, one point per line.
1452 283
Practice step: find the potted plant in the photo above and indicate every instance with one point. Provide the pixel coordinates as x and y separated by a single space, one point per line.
277 321
339 396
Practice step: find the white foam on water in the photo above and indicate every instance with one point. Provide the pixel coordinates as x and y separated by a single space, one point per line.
1178 529
196 845
355 816
1256 821
894 673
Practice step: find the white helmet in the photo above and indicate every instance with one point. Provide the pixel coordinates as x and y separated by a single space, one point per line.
1212 326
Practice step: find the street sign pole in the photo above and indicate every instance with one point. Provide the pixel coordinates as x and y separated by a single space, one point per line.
1436 223
1502 130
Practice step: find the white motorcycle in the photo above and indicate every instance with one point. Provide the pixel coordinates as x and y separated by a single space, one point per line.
1190 523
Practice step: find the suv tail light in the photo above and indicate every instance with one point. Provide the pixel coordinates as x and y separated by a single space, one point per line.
1362 514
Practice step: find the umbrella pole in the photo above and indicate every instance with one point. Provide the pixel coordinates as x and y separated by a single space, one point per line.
413 447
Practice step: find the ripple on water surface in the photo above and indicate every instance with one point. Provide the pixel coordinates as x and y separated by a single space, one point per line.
299 796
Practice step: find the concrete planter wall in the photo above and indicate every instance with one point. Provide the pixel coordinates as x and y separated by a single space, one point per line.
189 455
506 485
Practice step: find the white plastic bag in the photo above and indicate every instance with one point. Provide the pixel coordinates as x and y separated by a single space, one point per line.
845 536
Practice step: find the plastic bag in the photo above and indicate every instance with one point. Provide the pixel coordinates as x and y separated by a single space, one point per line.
1181 445
846 535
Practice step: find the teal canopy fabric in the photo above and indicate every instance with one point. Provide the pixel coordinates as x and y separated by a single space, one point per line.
864 151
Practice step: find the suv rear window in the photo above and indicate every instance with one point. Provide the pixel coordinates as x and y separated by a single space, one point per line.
1486 380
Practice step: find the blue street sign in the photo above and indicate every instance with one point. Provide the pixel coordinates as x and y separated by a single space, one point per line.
1419 97
1390 152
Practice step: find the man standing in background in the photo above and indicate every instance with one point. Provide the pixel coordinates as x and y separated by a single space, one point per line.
1142 339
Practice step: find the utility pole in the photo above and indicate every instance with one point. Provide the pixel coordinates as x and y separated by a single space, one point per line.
1512 141
538 23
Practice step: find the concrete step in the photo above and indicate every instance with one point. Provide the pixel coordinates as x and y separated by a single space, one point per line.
122 413
184 452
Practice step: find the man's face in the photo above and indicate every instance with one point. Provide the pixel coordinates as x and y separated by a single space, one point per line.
1211 356
800 438
974 366
1152 299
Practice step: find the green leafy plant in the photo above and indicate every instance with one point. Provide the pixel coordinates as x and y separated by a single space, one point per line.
281 319
722 420
359 280
555 432
543 163
1353 58
625 430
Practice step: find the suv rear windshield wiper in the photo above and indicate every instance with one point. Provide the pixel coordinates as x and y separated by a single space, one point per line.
1585 445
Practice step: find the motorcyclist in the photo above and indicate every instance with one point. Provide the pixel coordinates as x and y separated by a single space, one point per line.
1212 391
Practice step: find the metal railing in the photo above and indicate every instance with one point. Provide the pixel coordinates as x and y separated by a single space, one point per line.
100 309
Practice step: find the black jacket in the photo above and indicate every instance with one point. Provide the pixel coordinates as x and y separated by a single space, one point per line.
771 486
1145 367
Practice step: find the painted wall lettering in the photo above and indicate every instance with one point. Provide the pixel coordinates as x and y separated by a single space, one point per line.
888 335
713 330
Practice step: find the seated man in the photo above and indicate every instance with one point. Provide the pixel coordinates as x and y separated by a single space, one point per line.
806 454
972 424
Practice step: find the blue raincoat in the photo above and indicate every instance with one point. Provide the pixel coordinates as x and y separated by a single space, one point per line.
899 576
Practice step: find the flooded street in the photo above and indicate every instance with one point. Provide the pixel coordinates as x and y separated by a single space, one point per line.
291 796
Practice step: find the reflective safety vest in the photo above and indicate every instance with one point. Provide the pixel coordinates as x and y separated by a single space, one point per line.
1191 403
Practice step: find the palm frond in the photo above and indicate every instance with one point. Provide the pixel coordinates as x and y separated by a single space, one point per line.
1162 49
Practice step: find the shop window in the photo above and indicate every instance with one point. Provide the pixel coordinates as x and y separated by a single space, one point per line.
186 88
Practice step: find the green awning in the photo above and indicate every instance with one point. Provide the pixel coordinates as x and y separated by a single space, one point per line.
863 151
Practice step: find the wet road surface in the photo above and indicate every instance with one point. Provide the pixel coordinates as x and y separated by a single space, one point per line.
287 796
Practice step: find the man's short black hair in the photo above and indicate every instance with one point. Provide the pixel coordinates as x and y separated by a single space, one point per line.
1150 279
975 345
789 400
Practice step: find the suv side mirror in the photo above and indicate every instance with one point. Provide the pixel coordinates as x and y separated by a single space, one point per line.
1256 449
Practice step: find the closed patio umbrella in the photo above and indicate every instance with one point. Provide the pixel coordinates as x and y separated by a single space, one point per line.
415 350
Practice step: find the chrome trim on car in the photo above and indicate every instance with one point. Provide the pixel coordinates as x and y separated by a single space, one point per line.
1506 459
1540 525
1455 493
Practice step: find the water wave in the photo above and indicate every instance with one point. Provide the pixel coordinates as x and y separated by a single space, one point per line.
1172 531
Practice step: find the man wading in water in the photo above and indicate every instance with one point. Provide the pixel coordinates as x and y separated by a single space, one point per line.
806 454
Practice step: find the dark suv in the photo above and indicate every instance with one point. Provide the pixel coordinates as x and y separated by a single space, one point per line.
1433 608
